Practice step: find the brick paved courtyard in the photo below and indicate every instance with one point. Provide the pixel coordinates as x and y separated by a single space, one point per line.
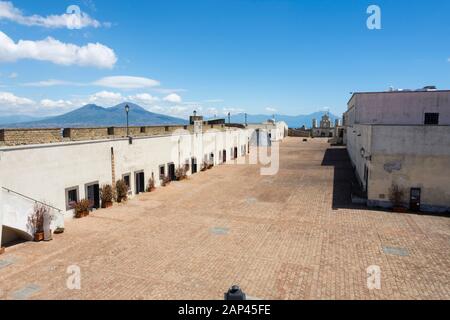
290 236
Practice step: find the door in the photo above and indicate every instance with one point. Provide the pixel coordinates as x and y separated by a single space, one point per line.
224 156
235 152
414 202
171 172
194 165
93 195
140 182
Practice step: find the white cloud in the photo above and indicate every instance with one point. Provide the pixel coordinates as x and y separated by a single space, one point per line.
73 19
173 98
10 103
143 99
50 104
49 83
55 51
8 97
270 109
13 75
106 98
126 82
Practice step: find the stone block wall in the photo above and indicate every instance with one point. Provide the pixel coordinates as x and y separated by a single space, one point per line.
79 134
15 137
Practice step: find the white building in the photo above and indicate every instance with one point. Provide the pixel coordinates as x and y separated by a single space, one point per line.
58 173
402 139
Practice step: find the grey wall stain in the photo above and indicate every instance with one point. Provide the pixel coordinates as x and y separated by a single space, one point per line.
393 166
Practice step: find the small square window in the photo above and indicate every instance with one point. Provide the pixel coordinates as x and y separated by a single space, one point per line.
162 171
431 119
71 197
126 179
142 129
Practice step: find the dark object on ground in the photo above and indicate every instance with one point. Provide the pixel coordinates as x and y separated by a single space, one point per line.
59 230
235 293
305 140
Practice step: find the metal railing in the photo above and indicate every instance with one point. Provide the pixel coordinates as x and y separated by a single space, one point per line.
31 199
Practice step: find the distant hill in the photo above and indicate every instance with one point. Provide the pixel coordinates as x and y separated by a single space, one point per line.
292 121
92 115
17 119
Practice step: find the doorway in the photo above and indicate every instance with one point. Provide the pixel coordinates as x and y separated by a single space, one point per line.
414 202
235 152
171 168
211 159
140 182
224 156
93 195
194 165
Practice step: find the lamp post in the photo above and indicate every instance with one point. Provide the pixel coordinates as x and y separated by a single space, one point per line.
245 119
229 117
127 110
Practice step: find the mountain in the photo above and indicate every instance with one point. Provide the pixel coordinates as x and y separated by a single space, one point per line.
292 121
92 115
17 119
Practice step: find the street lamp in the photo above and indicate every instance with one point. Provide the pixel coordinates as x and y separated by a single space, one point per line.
229 117
127 110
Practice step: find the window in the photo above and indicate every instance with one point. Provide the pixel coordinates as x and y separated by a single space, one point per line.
111 131
162 171
71 197
431 118
126 178
142 129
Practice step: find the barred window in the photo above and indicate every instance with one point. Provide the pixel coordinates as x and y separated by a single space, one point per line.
431 118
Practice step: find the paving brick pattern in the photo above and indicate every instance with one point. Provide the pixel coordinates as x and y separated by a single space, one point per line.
278 237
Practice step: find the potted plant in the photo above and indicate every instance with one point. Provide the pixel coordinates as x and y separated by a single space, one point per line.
151 185
82 208
396 196
121 191
36 221
107 196
181 174
165 181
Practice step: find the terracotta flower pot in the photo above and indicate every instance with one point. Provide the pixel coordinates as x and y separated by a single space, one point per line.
38 236
107 204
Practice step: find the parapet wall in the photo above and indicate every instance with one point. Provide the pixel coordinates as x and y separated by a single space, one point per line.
15 137
12 137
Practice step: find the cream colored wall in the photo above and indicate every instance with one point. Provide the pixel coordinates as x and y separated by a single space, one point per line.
411 157
359 137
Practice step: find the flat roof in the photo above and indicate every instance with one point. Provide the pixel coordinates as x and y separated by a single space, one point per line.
399 91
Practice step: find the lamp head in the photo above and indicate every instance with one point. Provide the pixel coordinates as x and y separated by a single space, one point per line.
127 108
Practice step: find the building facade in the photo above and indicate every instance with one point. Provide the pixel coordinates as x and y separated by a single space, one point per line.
401 139
57 167
326 129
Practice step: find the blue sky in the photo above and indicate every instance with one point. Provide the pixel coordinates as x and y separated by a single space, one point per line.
294 57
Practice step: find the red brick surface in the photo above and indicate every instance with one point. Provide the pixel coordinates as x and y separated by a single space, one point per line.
279 238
